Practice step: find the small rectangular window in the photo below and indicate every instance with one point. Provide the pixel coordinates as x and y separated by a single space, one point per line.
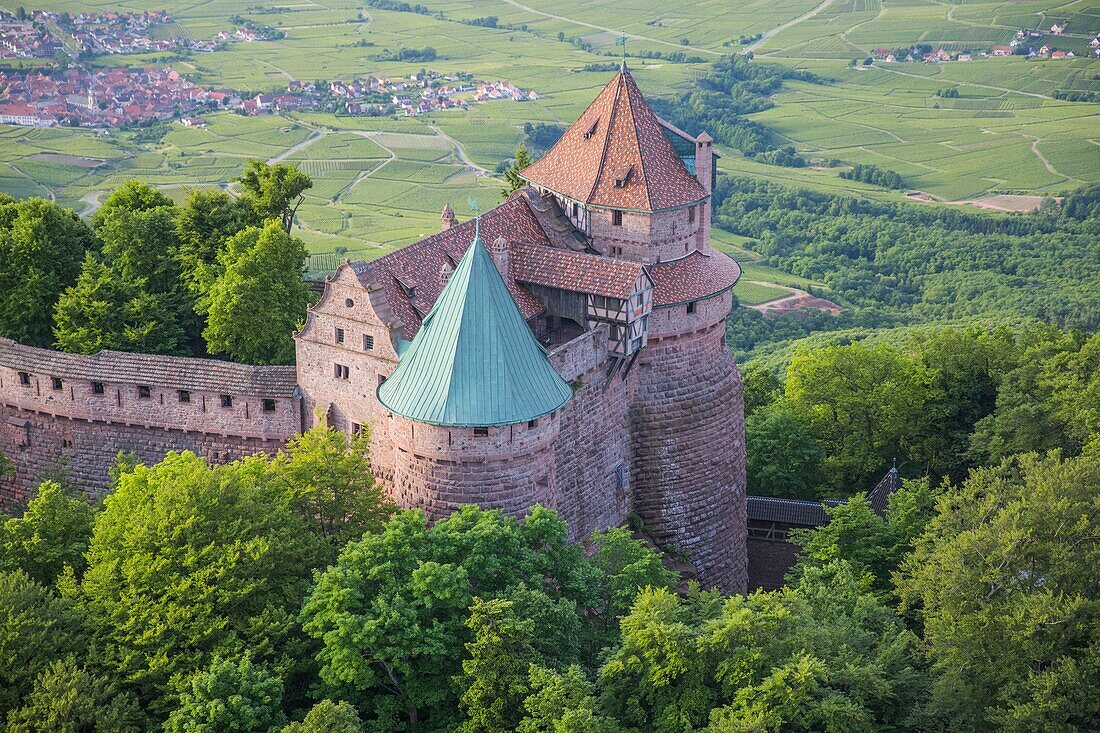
227 400
691 307
691 215
24 378
57 383
368 341
481 432
339 335
341 371
144 392
356 428
185 396
532 424
269 405
616 218
97 387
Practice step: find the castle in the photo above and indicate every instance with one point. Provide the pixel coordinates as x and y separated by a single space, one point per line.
566 348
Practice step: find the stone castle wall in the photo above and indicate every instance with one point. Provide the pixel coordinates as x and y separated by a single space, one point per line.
645 237
688 441
70 414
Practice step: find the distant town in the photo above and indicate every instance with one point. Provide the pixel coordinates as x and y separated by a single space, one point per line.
105 98
1027 43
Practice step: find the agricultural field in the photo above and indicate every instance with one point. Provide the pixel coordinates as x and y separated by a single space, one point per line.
380 182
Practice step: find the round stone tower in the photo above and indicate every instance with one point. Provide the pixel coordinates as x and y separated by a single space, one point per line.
473 402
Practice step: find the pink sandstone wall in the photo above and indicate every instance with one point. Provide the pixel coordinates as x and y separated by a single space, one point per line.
643 237
72 429
688 441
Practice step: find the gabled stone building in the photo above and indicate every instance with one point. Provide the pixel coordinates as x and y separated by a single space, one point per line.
568 349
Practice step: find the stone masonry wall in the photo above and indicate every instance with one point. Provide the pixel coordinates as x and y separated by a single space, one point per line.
592 451
644 237
438 469
688 442
769 561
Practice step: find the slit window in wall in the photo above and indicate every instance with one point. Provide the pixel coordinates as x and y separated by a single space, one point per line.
57 383
339 335
144 392
185 396
341 371
97 387
481 432
691 307
691 215
616 218
368 341
227 400
269 405
24 378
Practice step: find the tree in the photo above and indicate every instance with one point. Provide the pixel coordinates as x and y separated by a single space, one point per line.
328 717
563 702
494 678
513 181
782 458
254 307
391 613
190 562
140 244
103 310
1004 581
204 222
229 697
68 698
862 403
133 196
42 247
273 191
761 387
51 535
331 483
36 628
625 566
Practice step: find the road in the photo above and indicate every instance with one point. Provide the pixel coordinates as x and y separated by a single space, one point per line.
461 152
788 24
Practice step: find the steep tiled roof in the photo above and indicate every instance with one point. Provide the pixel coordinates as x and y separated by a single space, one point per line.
616 155
580 273
879 498
121 367
789 511
692 277
416 268
474 361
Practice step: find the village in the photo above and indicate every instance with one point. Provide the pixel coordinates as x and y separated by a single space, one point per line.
1023 44
114 98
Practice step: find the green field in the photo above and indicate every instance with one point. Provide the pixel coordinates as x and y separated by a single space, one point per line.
379 183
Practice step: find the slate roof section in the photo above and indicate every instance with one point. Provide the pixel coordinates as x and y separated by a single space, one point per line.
793 512
173 372
879 498
415 268
573 271
474 361
692 277
616 155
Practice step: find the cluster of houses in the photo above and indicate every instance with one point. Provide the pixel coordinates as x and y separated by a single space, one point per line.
22 39
128 96
98 98
1021 45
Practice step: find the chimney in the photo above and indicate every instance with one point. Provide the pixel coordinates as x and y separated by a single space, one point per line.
447 218
704 170
445 273
499 252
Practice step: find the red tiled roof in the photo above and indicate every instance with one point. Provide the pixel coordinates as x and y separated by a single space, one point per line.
692 277
418 265
580 273
616 134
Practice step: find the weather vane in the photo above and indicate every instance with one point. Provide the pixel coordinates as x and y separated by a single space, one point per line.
472 202
621 41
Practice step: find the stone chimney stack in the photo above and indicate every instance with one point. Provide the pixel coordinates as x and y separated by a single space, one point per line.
704 170
499 251
447 218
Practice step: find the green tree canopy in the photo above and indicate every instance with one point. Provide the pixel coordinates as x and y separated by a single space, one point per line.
42 247
328 717
273 191
782 458
254 307
133 196
68 698
204 222
103 310
1004 581
229 697
512 179
52 534
188 562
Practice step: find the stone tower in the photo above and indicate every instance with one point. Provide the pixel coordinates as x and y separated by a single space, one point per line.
473 401
639 189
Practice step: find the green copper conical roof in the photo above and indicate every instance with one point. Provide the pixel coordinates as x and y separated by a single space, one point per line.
474 362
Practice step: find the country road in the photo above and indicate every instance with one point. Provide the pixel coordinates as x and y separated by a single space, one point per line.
461 152
789 24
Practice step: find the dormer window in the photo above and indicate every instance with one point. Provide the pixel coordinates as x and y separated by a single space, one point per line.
623 176
591 128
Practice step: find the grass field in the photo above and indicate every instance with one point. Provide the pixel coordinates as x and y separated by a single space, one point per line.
379 183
